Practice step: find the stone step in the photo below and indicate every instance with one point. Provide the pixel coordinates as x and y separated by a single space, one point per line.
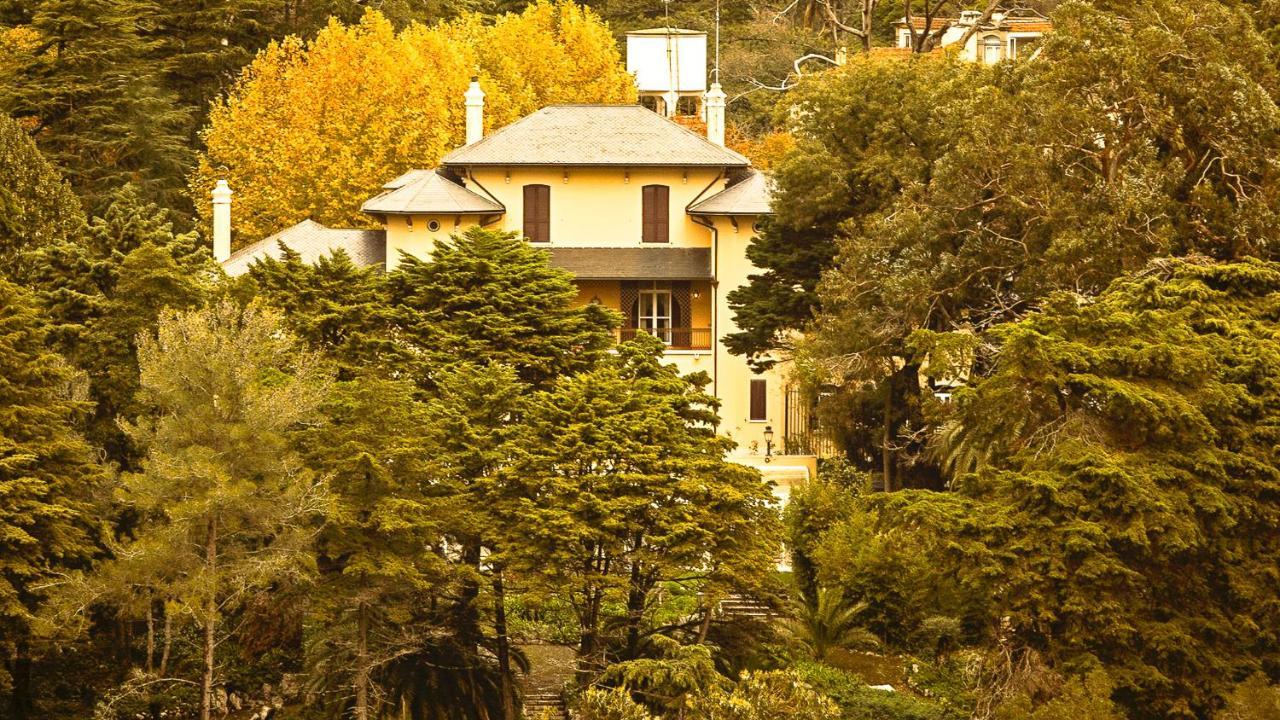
540 705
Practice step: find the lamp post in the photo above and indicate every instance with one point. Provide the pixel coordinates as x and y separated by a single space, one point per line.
768 443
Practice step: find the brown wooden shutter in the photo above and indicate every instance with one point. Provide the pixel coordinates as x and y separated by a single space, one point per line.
656 214
537 213
759 400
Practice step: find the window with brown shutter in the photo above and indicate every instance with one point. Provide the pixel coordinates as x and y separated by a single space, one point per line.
537 213
759 401
656 215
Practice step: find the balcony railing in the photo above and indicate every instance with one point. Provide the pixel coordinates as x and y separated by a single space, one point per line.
675 338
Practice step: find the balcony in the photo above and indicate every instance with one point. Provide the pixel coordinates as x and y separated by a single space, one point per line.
675 338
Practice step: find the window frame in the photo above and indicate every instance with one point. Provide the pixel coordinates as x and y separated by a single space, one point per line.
763 385
537 226
655 214
647 310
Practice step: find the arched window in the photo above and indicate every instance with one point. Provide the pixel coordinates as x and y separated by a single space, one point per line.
992 49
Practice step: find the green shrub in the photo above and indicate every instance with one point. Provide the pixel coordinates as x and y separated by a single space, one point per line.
857 701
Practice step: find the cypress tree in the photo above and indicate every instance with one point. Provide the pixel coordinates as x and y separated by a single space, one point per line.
90 92
48 481
334 306
490 298
1117 485
37 208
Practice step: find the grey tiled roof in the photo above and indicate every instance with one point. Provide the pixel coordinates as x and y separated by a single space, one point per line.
426 192
751 195
595 135
313 241
634 263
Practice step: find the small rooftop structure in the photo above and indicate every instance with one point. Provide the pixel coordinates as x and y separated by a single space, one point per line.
1004 36
427 192
669 64
751 195
587 135
312 241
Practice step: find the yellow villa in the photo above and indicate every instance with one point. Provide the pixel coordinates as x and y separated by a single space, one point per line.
651 218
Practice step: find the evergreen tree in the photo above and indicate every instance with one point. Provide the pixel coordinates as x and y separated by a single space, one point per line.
49 481
863 133
100 289
91 92
334 306
1115 491
490 299
37 208
229 505
619 484
379 552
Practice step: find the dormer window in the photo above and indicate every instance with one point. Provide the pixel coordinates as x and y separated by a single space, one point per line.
656 214
537 213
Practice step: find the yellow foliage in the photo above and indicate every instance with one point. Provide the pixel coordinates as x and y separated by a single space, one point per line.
764 151
312 131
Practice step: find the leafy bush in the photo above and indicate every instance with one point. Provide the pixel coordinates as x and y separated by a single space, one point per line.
772 695
858 701
613 704
1253 699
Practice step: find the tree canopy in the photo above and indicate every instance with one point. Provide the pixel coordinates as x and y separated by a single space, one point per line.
312 129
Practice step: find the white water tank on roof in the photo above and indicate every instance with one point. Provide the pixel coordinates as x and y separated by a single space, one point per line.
668 63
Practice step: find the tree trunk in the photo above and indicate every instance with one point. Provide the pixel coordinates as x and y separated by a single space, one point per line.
587 640
503 646
362 661
886 454
20 675
468 613
868 10
210 621
168 641
151 635
635 606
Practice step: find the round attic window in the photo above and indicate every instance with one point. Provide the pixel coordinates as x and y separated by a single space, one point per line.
433 225
757 226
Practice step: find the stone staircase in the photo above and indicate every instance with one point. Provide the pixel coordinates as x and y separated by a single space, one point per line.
545 705
739 605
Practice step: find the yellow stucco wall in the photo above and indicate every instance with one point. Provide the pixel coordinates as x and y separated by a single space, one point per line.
732 375
413 234
599 207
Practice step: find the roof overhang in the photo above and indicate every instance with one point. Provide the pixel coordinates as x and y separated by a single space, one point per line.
633 263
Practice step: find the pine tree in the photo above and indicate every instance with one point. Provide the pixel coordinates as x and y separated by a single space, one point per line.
91 93
37 208
334 306
100 289
49 482
619 483
229 504
380 569
489 298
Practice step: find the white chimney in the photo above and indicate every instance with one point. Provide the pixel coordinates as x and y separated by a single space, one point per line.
714 103
475 112
221 221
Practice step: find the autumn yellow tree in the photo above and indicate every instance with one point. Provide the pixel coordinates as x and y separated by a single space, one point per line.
313 129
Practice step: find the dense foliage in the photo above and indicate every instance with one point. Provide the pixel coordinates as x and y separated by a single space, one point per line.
312 129
1044 290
